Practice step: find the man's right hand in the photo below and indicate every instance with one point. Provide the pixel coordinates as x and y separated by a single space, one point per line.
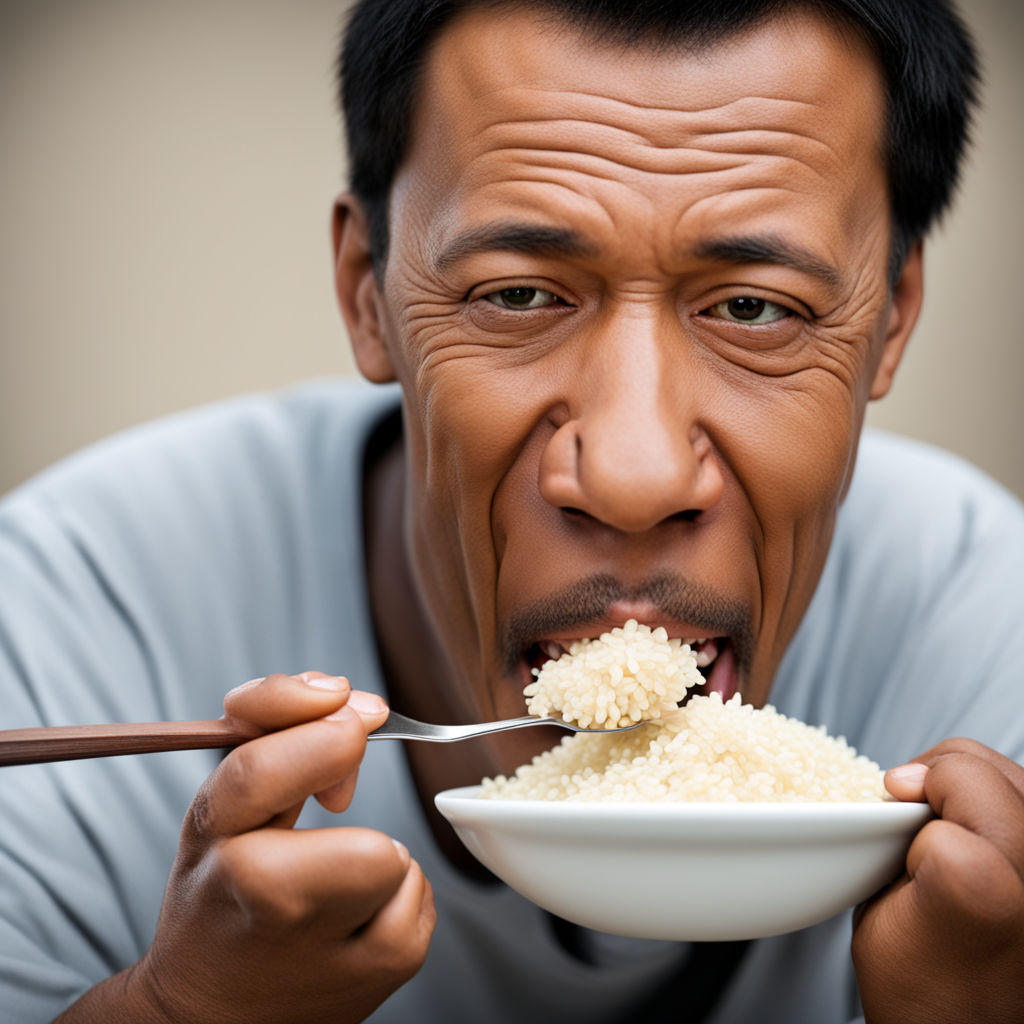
262 922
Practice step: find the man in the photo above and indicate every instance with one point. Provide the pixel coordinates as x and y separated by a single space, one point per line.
637 272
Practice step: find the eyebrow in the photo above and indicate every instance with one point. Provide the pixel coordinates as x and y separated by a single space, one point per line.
513 236
542 240
767 248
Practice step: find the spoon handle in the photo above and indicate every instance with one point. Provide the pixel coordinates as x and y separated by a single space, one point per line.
73 742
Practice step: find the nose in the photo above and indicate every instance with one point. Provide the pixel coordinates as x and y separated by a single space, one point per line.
630 448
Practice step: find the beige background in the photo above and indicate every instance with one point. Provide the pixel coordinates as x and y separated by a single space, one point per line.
166 173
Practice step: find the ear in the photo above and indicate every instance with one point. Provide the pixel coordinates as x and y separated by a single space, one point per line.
904 309
357 288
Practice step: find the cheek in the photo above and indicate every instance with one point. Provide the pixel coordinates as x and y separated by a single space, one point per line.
469 422
791 447
809 443
476 399
471 429
792 435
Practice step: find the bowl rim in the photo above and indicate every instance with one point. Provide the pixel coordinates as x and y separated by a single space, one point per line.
465 799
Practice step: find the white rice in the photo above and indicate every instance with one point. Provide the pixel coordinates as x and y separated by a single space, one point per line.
705 750
630 674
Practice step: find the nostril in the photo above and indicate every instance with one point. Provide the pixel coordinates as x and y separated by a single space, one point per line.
687 516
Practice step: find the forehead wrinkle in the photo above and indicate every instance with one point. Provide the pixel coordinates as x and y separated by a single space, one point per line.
580 145
677 130
458 91
517 96
569 169
650 123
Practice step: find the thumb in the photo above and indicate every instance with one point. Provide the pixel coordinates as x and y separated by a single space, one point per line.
279 701
906 782
371 709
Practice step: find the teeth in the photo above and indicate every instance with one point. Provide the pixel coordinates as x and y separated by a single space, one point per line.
706 653
705 649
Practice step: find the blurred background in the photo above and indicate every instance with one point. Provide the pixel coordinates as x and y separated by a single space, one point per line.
166 177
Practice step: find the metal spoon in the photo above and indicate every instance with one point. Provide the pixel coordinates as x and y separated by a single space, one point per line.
398 727
74 742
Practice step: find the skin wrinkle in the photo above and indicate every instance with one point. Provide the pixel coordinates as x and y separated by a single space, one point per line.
604 165
617 113
537 179
464 583
775 141
610 106
697 138
672 107
437 349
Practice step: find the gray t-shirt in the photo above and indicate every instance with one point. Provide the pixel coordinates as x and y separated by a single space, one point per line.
148 575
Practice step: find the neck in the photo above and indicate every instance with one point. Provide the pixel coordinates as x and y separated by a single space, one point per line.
414 664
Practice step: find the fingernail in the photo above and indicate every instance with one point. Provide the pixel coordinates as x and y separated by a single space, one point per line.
403 850
913 772
334 683
366 703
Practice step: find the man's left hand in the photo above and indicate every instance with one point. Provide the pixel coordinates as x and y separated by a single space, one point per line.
945 941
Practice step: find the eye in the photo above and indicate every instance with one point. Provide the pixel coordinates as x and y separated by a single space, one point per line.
747 309
522 297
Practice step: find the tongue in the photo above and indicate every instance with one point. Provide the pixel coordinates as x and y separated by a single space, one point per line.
722 678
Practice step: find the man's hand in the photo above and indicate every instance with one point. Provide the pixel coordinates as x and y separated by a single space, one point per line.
945 942
265 923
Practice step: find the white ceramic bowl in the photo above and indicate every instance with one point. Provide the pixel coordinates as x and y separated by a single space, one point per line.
688 871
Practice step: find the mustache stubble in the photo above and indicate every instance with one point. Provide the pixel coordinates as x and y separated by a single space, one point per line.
590 599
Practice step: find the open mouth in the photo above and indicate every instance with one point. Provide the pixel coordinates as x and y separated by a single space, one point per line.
715 661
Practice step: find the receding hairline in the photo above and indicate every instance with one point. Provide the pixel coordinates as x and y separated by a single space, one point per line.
661 35
606 31
512 234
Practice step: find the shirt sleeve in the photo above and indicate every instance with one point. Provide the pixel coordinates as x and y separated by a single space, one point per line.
85 846
138 582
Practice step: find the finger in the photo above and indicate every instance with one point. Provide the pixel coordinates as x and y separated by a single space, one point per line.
961 745
906 782
338 877
370 708
287 818
398 936
338 798
976 794
371 712
955 870
280 701
269 776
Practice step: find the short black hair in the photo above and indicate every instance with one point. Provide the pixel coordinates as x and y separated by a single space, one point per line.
925 51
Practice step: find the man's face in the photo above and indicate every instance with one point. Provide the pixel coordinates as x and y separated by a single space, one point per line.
637 304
